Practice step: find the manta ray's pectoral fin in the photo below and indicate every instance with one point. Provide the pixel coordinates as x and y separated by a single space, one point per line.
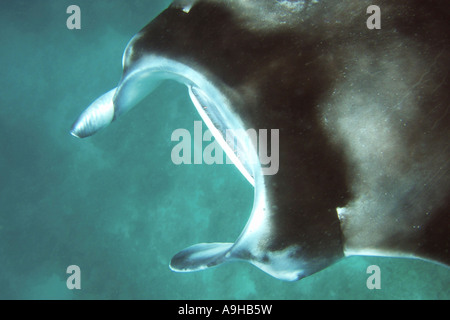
201 256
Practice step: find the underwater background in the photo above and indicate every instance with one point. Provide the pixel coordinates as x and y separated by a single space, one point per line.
115 204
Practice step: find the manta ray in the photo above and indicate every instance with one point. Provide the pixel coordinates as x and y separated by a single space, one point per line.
363 118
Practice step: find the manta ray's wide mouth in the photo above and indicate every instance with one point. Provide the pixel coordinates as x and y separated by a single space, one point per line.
225 125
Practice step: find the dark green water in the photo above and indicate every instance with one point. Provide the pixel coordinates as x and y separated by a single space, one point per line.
115 204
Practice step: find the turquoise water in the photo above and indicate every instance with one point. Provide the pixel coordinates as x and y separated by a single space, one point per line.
115 204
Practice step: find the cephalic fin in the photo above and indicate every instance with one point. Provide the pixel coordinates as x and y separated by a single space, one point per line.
200 256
